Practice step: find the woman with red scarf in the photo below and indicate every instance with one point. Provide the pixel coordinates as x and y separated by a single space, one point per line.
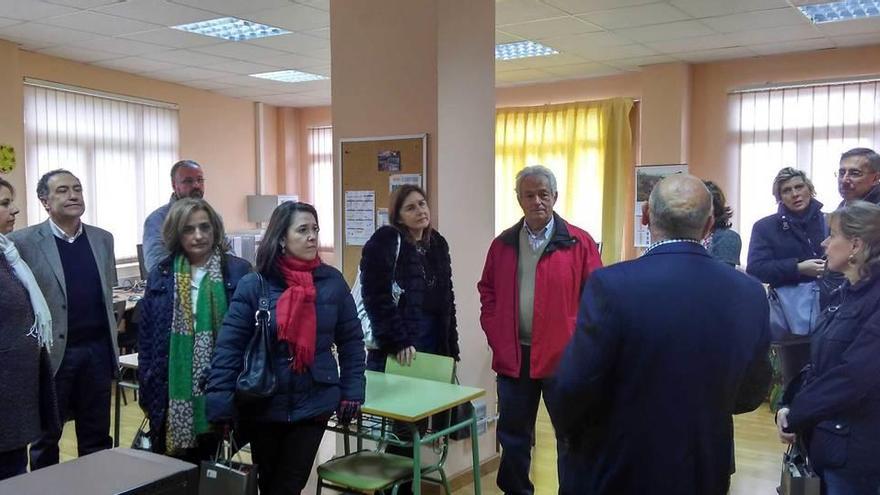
311 311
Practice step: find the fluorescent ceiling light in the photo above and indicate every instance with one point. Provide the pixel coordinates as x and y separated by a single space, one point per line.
843 10
289 76
232 29
522 49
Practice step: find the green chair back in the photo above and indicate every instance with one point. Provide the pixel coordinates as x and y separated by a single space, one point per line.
425 366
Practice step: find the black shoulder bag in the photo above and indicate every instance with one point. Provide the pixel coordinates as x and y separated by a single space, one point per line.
257 379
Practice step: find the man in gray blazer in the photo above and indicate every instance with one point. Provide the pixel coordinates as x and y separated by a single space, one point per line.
75 267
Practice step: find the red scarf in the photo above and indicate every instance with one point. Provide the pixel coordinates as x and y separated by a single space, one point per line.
295 312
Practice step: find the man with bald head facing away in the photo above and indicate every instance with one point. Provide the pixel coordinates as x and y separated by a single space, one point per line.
667 348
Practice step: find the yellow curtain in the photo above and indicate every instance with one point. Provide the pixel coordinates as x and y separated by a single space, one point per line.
588 147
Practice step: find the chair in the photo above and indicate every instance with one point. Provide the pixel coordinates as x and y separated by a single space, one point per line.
368 471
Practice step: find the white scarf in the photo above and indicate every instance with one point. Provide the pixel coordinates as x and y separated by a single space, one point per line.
42 327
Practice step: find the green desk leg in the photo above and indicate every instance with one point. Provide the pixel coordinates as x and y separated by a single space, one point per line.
417 459
475 450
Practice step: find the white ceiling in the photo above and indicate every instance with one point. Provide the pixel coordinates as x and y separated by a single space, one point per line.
594 38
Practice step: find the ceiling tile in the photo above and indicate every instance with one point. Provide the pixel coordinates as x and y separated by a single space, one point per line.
668 31
240 51
551 28
294 42
318 4
655 13
186 57
580 42
323 33
585 6
248 92
293 17
849 28
208 84
787 16
857 39
322 70
172 38
514 11
8 22
159 12
712 55
185 74
583 70
612 53
521 75
94 22
121 46
710 42
240 67
232 7
238 80
31 11
502 37
293 61
83 4
776 35
711 8
636 62
35 35
137 64
79 54
549 61
507 65
792 46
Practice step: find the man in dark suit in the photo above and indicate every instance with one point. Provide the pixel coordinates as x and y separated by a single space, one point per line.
667 348
75 267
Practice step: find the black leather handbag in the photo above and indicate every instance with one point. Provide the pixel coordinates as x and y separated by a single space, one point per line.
257 379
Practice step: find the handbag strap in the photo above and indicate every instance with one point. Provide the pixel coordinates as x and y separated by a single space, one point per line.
263 310
396 255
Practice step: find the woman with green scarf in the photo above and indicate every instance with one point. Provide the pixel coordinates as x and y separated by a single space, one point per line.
186 299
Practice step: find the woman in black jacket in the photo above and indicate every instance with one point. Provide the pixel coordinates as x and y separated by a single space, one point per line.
835 404
184 304
311 311
411 255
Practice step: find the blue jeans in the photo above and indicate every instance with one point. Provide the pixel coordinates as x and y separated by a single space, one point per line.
518 400
844 482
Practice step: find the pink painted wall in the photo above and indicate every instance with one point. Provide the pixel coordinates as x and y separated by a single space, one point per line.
215 130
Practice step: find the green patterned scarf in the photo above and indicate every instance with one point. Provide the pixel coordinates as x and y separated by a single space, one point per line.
190 350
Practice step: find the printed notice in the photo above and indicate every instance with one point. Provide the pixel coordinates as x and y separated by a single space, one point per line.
398 180
360 215
382 217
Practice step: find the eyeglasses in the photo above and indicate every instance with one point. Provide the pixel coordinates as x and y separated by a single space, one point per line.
189 181
853 173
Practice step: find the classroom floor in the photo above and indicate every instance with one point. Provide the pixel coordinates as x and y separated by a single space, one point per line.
758 452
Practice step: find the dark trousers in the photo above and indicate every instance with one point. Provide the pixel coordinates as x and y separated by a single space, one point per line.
284 454
846 482
13 463
518 401
82 385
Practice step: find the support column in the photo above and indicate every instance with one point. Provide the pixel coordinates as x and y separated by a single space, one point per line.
413 66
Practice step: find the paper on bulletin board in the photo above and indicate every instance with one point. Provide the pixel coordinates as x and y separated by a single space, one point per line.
360 211
646 177
398 180
382 218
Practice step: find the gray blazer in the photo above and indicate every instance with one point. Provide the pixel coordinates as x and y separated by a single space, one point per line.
38 249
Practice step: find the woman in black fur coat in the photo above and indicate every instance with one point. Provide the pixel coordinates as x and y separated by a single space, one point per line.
408 255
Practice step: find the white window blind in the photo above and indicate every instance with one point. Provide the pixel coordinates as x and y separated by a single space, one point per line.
802 127
321 181
120 150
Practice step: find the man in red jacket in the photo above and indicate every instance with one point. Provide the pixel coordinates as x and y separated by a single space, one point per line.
530 292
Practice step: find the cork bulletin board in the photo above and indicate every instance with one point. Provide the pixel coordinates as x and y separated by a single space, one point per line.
369 168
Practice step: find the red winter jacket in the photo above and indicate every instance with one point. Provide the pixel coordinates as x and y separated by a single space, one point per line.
569 258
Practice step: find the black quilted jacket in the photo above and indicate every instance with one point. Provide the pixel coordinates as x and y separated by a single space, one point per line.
396 327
